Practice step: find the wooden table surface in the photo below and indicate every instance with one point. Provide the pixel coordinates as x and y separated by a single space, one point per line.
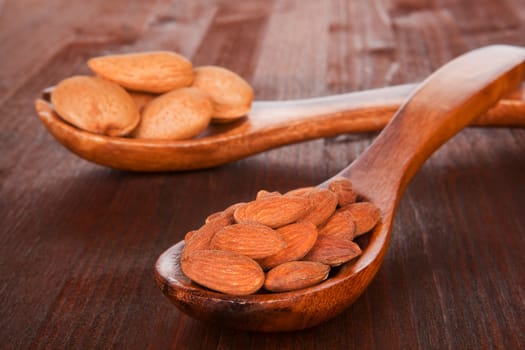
78 241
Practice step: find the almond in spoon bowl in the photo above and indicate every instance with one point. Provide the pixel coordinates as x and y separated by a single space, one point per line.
96 105
177 115
231 95
154 72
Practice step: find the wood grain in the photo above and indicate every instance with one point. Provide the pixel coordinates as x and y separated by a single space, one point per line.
78 241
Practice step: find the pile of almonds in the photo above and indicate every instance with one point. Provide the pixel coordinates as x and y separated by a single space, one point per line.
296 237
158 95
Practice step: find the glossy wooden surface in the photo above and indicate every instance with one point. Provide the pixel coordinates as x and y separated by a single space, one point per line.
439 108
270 124
79 241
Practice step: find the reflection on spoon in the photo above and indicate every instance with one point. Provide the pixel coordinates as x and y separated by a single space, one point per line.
445 103
269 125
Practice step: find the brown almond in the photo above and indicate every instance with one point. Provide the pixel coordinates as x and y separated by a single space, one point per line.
155 72
341 225
323 203
231 95
344 190
273 211
201 238
223 271
299 191
141 99
95 105
365 215
295 275
333 251
176 115
228 212
254 241
263 194
300 237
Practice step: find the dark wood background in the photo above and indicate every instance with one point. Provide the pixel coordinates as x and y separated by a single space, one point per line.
78 241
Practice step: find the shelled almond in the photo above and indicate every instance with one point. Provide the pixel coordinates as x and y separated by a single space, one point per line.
296 237
154 95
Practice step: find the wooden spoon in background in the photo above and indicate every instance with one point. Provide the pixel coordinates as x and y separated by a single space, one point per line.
444 103
270 124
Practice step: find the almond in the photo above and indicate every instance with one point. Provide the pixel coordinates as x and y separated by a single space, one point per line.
295 275
341 225
254 241
273 211
365 215
323 203
156 72
299 237
228 212
263 194
333 251
201 238
231 95
141 99
177 115
344 190
95 105
223 271
299 191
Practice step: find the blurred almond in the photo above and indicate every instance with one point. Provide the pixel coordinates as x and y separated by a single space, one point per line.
299 191
333 251
344 190
300 237
341 225
295 275
273 211
200 239
231 95
176 115
141 99
263 194
95 105
365 215
323 203
156 72
254 241
223 271
226 213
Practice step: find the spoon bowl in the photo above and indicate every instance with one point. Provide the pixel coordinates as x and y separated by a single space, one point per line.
270 124
439 108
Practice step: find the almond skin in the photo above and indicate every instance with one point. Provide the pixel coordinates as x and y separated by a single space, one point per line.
365 215
200 239
155 72
341 225
344 190
177 115
141 99
323 203
95 105
300 237
333 251
231 95
295 275
299 191
273 211
254 241
228 212
263 194
223 271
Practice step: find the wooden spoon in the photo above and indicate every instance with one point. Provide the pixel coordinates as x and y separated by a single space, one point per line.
446 102
269 125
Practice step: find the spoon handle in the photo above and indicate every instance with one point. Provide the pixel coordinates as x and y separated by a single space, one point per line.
368 110
442 105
